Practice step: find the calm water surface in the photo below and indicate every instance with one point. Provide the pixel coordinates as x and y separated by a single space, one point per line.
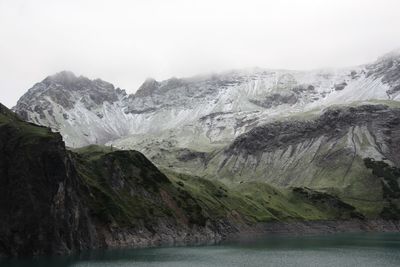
329 250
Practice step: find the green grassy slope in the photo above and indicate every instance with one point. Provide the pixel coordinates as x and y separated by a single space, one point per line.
127 189
26 133
197 199
254 201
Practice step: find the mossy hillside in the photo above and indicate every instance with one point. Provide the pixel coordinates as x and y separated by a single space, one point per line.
26 133
127 189
123 185
340 209
382 199
93 152
252 201
290 205
388 177
281 203
5 113
218 201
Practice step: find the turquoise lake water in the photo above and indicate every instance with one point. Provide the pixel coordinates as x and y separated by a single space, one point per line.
328 250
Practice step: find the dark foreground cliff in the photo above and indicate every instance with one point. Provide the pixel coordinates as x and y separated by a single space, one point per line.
40 192
55 201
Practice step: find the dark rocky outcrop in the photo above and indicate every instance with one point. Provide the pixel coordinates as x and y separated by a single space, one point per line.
187 155
147 88
275 100
340 86
327 200
40 206
334 122
388 175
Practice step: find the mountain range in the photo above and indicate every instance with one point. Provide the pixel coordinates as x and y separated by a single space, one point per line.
231 151
200 111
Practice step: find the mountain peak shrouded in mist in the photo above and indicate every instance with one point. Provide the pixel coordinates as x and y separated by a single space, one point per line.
68 80
63 76
395 53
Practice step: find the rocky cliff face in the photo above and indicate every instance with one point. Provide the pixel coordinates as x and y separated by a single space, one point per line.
40 205
381 121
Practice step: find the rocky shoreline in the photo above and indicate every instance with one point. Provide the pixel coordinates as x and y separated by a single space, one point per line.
123 238
167 236
319 227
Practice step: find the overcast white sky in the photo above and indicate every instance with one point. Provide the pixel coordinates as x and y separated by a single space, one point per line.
124 42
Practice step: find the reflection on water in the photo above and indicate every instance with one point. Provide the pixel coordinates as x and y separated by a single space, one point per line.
329 250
